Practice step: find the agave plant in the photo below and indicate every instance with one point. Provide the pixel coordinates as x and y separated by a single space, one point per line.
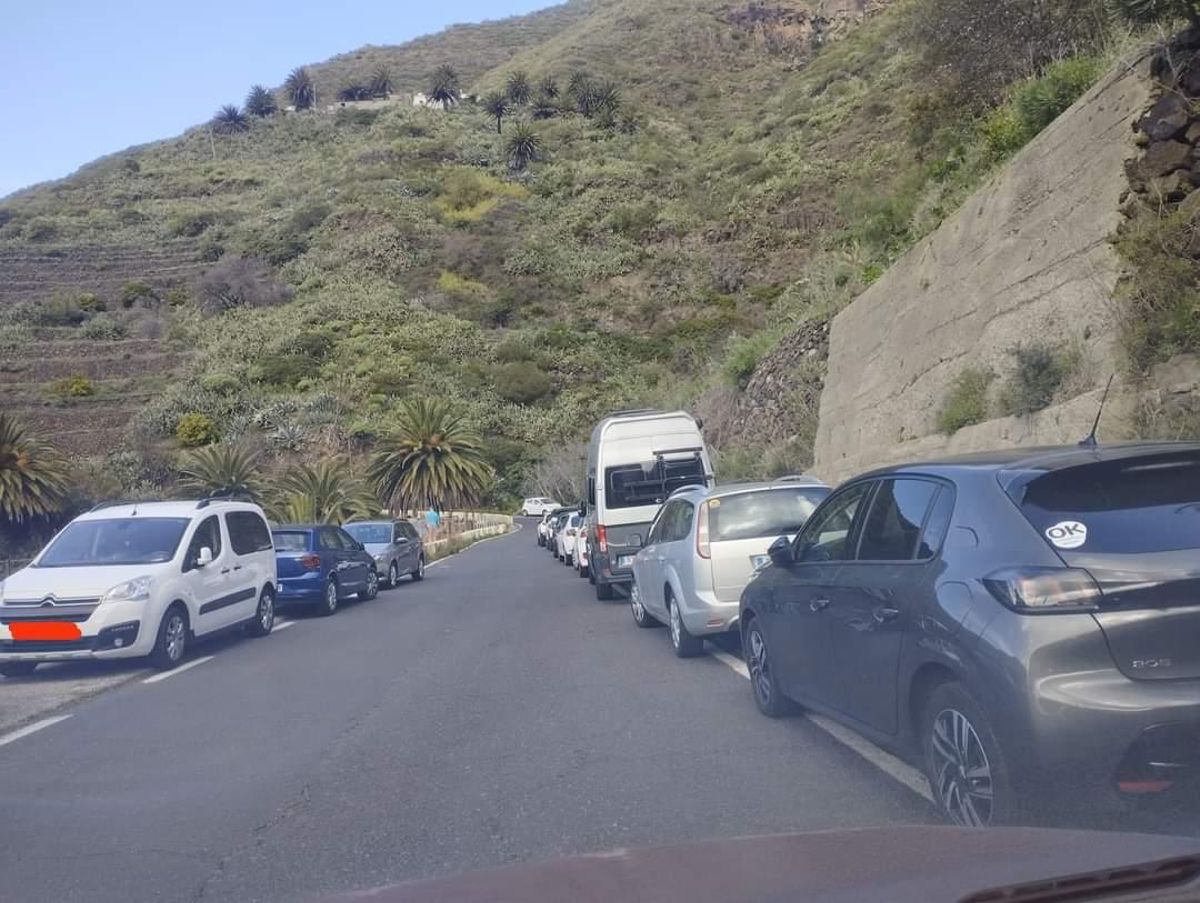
548 86
290 436
223 467
517 87
260 102
444 87
33 476
300 89
434 457
326 492
229 120
522 147
381 84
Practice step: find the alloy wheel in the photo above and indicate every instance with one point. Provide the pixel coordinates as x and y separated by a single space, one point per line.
635 602
331 596
266 612
676 624
962 773
176 635
372 583
393 575
756 654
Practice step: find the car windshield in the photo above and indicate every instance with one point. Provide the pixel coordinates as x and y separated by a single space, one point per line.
290 540
377 534
772 512
126 540
650 482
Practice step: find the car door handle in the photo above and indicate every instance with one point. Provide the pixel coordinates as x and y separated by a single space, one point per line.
224 570
818 605
883 614
237 567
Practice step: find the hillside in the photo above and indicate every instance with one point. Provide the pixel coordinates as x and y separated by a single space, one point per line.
765 163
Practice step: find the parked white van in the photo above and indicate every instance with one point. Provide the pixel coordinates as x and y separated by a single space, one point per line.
635 460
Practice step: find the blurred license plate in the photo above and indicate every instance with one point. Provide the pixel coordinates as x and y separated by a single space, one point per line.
625 561
44 630
760 561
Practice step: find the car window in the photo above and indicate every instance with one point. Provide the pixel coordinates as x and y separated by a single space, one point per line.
409 530
937 525
348 542
372 533
207 534
657 525
329 540
826 535
648 483
681 524
759 514
894 523
248 533
131 540
290 540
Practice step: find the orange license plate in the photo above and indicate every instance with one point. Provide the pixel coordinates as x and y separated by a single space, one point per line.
45 630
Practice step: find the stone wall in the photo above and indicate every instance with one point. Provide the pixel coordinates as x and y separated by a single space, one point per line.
1028 257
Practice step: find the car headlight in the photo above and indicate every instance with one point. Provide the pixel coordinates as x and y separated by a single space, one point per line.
135 590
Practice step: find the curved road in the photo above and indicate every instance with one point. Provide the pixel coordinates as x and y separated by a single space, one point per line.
494 713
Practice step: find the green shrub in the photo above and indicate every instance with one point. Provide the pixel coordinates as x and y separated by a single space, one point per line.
104 327
73 387
1003 132
90 303
632 220
1039 101
195 429
522 382
967 401
1038 370
191 225
134 292
286 370
513 350
743 356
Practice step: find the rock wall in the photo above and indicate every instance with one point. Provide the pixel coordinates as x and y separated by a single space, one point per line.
1027 257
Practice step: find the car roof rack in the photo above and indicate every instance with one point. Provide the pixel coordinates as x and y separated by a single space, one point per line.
690 487
796 478
224 495
115 503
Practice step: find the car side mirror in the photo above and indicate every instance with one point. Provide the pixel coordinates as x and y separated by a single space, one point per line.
780 552
583 509
204 557
636 540
401 540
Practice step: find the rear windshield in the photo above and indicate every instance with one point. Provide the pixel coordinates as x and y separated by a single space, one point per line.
369 534
129 540
1143 505
290 541
635 485
754 515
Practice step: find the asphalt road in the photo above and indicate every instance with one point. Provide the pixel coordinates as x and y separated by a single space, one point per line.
494 713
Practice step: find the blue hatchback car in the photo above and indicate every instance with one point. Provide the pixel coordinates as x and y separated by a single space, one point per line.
322 564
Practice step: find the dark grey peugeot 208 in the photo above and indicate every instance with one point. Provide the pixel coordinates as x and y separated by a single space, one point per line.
1024 625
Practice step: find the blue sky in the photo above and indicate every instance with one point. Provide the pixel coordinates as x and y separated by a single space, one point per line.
86 78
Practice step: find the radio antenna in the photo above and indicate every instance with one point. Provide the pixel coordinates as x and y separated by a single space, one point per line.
1090 440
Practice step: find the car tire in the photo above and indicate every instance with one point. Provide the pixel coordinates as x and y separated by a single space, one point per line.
763 684
583 571
264 615
684 644
604 591
569 560
372 590
393 575
17 669
962 754
419 573
170 646
641 617
329 602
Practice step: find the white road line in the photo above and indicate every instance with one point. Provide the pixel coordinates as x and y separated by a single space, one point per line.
165 674
887 763
282 625
31 729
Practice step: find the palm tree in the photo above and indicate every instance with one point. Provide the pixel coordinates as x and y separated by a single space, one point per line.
33 476
300 89
229 120
223 467
326 493
518 87
578 85
381 84
354 91
260 102
522 147
548 86
443 86
600 101
433 458
496 104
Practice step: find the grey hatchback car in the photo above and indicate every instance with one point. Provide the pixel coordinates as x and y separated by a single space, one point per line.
395 545
1024 625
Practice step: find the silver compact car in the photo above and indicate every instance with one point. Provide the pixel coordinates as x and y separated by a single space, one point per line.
395 545
704 547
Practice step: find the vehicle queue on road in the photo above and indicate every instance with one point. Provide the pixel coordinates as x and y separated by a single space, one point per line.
1019 625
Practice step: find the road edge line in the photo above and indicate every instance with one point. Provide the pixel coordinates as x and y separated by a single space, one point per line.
31 729
155 678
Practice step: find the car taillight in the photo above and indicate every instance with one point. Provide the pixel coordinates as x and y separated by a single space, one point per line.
703 548
570 531
310 562
1045 590
601 537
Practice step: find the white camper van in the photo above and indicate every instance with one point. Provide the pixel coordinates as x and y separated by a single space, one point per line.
635 460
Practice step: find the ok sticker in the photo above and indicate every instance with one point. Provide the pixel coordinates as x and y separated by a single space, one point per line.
1067 534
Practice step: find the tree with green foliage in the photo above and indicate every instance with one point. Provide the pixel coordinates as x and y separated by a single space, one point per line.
300 89
434 457
223 467
195 429
354 91
517 87
444 87
381 84
496 104
260 102
522 147
33 475
326 492
1148 12
548 86
229 120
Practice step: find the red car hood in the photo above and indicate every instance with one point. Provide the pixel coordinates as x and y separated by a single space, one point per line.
918 864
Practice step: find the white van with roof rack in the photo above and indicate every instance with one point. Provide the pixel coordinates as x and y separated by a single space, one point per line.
636 459
131 579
